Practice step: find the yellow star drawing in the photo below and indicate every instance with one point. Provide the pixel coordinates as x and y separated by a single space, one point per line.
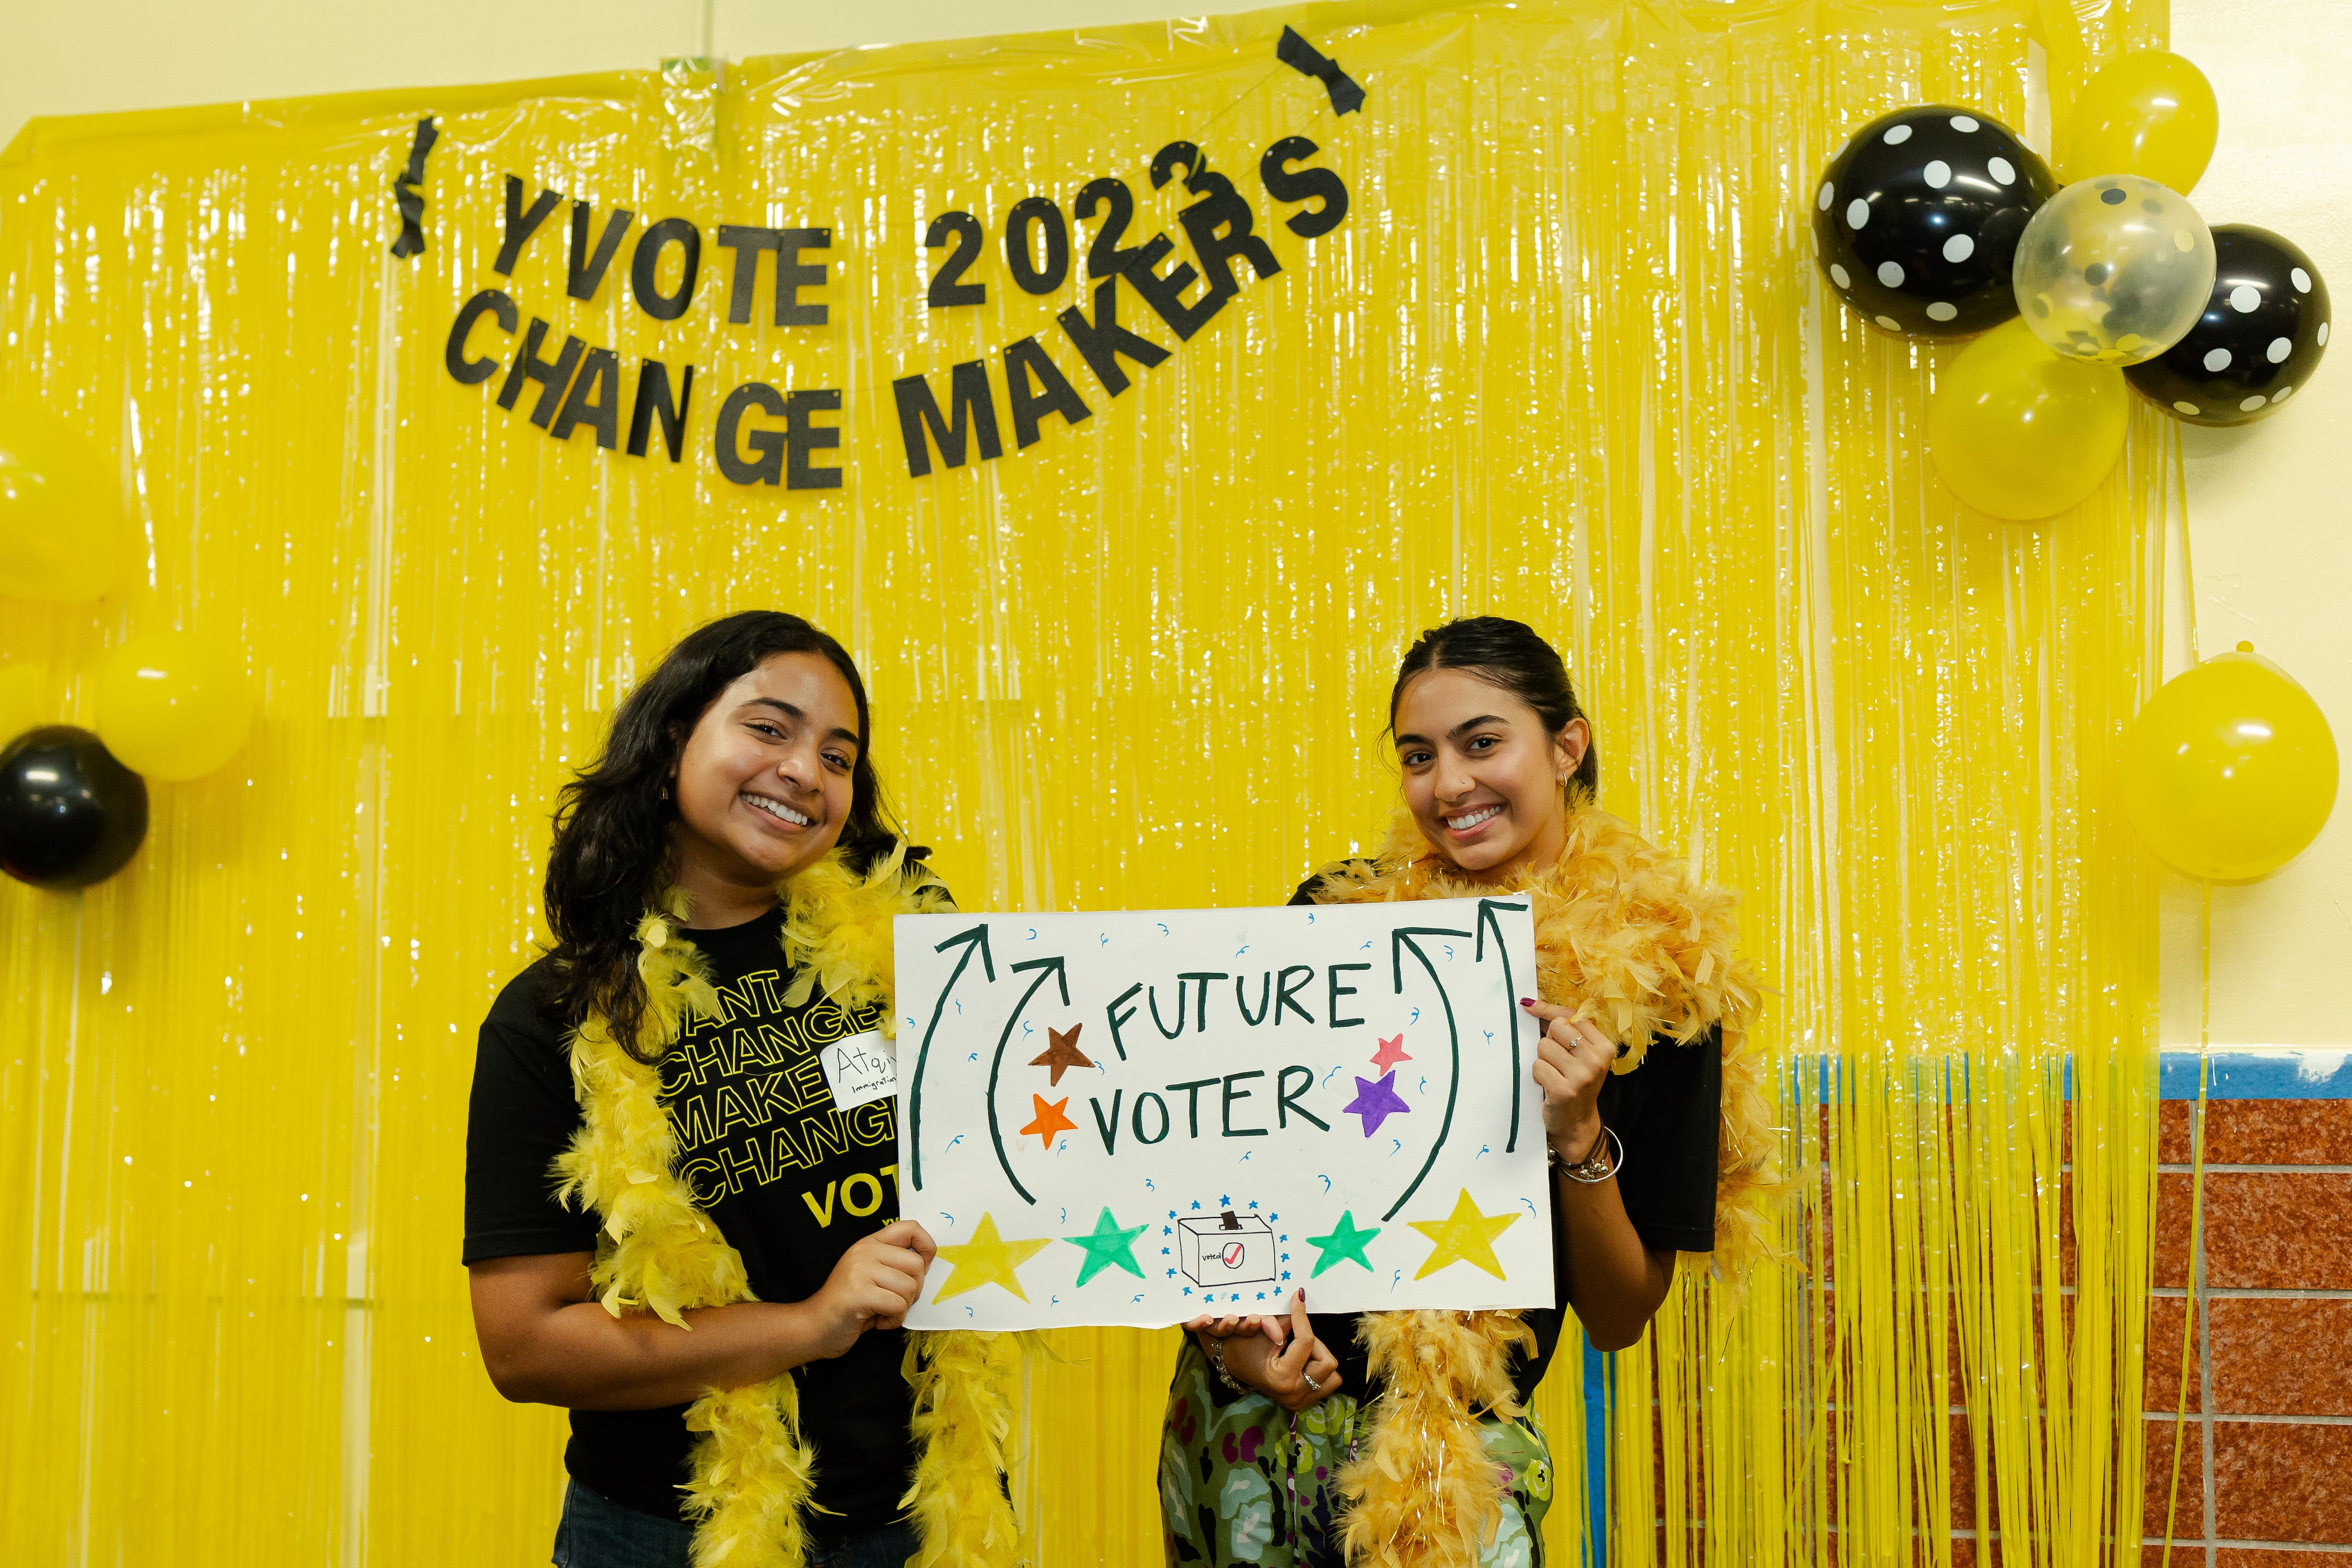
1466 1236
989 1260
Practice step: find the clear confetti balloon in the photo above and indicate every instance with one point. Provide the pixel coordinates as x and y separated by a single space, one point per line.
2114 269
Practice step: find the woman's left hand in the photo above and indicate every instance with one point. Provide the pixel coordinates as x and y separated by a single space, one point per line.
1572 1061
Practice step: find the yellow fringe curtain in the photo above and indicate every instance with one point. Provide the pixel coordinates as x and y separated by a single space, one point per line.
1567 360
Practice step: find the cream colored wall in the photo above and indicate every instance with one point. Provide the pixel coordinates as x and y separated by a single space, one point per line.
2270 510
2271 526
91 55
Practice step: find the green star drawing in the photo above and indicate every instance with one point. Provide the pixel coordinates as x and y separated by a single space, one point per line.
1108 1244
1345 1244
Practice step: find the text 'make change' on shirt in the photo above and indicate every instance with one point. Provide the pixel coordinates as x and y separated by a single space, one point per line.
792 1180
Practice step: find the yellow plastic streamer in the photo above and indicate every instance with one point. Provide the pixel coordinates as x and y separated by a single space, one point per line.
1566 359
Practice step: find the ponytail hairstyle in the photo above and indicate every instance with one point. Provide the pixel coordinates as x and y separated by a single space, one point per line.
616 848
1510 655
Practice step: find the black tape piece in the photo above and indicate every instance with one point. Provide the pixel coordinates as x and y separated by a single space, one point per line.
972 418
408 191
474 372
1300 56
766 466
427 133
587 269
644 267
800 438
595 400
1052 392
1102 341
654 402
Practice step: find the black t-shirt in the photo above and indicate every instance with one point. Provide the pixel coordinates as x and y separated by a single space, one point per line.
1665 1113
792 1182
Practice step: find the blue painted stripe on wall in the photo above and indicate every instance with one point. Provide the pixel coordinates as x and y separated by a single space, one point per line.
2268 1072
2277 1074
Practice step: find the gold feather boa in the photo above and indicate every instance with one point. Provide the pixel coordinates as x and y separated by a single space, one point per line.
1627 936
752 1471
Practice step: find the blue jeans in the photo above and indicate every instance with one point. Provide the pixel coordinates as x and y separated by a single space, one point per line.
597 1532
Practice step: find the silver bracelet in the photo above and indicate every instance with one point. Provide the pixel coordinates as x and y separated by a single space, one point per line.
1608 1153
1216 1348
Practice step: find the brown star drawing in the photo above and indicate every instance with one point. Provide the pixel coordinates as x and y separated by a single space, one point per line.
1063 1054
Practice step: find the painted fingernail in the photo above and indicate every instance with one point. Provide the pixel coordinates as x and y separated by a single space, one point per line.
1526 1001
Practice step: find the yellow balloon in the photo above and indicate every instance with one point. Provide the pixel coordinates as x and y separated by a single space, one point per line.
25 702
172 705
63 537
2018 432
2229 771
2149 113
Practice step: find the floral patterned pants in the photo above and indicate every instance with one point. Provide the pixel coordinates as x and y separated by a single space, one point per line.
1244 1481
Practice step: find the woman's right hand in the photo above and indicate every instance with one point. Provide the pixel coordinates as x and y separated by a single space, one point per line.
1276 1328
872 1286
1305 1373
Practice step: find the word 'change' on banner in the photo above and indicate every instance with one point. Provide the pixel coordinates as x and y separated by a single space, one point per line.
1140 1118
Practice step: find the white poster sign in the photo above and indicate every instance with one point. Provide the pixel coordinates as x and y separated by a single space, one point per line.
1140 1118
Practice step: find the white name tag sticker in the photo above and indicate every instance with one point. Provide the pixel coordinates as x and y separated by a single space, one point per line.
860 1068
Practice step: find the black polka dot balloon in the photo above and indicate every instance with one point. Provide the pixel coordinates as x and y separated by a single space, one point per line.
1916 223
2258 342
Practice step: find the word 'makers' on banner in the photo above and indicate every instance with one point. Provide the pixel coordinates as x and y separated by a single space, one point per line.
1138 1118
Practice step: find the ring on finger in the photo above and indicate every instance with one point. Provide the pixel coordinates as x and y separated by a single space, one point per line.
1312 1386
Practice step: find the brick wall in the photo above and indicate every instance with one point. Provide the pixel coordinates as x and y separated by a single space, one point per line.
2266 1460
2265 1471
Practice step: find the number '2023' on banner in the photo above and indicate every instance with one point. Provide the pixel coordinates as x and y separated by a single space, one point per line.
1141 1117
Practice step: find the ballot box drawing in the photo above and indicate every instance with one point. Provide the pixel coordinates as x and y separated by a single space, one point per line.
1228 1249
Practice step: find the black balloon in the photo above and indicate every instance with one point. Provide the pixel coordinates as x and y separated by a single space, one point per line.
2259 339
1917 222
69 813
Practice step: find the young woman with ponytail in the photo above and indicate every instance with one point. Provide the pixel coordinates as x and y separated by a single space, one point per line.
1403 1439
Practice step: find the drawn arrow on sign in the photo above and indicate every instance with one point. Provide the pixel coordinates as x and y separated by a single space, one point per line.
1399 940
1060 971
1487 917
976 938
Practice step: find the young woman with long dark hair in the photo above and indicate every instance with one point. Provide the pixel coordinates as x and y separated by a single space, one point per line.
672 1228
1312 1439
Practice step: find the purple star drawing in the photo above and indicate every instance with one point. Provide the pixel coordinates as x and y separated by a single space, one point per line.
1377 1101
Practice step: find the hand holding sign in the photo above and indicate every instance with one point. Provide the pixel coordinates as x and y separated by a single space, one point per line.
1302 1375
872 1286
1572 1061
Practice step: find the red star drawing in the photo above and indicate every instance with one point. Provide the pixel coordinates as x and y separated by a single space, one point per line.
1050 1120
1390 1053
1063 1054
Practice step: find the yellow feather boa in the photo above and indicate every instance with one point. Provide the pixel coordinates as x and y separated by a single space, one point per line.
1627 936
752 1471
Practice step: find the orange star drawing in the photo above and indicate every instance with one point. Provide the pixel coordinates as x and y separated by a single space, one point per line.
1063 1054
1050 1120
1390 1053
